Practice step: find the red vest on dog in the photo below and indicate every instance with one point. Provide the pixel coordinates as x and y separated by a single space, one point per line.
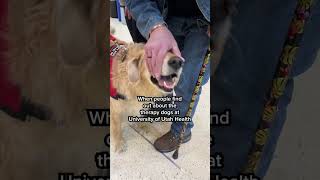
114 49
9 93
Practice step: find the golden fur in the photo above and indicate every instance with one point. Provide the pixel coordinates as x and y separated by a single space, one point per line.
44 53
131 87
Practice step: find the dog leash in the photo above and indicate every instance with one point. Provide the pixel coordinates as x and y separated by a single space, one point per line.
192 101
222 9
288 54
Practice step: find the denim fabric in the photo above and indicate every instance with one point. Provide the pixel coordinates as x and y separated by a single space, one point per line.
149 13
204 6
134 32
191 36
244 77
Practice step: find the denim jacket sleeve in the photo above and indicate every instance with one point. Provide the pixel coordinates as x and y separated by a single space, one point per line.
146 13
204 6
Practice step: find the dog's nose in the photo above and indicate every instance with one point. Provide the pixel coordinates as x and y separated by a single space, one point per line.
175 63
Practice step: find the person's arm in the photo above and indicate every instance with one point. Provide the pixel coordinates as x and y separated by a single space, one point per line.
146 13
152 26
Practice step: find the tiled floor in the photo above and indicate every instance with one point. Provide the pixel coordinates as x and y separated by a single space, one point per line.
142 161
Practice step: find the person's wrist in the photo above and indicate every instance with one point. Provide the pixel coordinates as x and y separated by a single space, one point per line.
157 27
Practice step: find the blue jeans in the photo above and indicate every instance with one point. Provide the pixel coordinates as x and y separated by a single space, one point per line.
191 36
245 73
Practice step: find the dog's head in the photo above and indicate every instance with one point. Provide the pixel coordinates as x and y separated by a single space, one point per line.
136 79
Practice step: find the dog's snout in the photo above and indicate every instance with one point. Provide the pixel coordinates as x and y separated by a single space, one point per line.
175 63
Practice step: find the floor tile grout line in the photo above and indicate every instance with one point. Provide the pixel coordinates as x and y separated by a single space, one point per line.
175 164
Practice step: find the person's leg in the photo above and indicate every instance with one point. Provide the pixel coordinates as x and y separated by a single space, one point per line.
244 77
193 42
246 102
134 32
309 49
275 131
195 47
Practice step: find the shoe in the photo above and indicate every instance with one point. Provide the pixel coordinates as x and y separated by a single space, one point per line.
169 142
29 108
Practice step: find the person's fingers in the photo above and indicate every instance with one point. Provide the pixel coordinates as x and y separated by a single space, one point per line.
176 50
148 52
149 65
183 60
154 61
159 62
148 56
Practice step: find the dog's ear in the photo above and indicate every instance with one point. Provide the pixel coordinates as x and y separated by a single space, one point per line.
133 70
77 27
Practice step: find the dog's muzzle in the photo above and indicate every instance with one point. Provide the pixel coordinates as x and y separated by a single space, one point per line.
170 77
175 63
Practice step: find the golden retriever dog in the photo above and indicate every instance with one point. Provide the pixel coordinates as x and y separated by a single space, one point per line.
56 54
56 58
131 78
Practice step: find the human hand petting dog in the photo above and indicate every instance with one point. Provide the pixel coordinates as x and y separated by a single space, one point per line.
160 42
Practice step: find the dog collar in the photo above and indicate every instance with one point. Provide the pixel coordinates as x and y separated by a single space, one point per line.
117 49
114 50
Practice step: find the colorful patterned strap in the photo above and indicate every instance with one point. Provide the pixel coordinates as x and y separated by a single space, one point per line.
192 101
279 83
